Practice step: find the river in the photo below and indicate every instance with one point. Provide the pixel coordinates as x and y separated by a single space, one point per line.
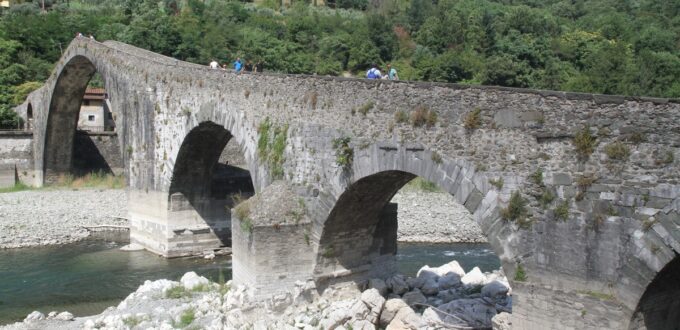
86 277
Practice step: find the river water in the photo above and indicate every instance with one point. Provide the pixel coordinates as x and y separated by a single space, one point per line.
86 277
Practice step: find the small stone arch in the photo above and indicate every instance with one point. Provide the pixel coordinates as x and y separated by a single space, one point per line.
197 195
349 238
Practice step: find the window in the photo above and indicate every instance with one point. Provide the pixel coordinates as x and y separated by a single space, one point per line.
86 102
90 117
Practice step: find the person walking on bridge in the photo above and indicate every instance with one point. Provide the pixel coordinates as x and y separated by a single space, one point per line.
373 72
238 65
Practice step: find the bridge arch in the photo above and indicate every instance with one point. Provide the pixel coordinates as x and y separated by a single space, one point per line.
349 238
62 116
658 307
204 186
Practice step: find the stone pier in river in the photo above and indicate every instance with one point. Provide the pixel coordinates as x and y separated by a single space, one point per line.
590 240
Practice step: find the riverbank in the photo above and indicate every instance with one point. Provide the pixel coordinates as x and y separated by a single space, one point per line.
439 297
51 217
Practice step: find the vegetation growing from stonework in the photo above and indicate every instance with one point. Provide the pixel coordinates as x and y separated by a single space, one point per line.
617 151
599 46
520 273
584 142
344 154
516 211
271 145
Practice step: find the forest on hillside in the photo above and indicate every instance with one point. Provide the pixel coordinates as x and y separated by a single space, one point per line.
628 47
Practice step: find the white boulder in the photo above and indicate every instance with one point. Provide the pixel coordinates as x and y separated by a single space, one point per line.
501 322
64 316
392 307
474 277
474 313
191 280
375 302
34 316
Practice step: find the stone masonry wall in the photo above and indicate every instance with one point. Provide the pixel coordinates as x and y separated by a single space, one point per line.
610 226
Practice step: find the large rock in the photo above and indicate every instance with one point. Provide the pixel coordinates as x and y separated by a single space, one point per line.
414 297
378 284
448 281
392 307
397 284
475 313
495 290
362 325
430 287
375 302
426 273
406 319
501 322
474 277
191 280
34 316
64 316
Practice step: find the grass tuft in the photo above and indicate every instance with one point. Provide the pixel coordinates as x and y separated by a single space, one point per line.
473 119
584 142
617 151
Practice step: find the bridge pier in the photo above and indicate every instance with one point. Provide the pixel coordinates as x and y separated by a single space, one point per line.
173 227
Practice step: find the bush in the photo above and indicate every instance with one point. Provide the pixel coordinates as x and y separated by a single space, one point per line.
9 119
562 211
516 210
617 151
520 274
344 154
473 119
423 116
400 117
584 142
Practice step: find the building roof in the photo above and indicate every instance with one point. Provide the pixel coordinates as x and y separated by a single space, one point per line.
95 94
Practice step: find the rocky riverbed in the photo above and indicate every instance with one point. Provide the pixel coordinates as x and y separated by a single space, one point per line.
48 217
442 297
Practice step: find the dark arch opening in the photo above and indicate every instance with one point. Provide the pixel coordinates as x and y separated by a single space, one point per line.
29 117
209 177
659 307
72 150
360 242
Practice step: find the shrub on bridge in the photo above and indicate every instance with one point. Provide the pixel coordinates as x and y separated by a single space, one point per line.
516 211
584 142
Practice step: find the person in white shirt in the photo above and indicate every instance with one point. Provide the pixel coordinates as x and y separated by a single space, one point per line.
373 72
214 64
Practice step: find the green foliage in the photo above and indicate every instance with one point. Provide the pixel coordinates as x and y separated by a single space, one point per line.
344 154
271 145
516 209
186 318
546 198
562 211
246 225
586 45
498 183
617 151
520 273
132 320
537 177
436 157
584 142
421 184
20 186
177 292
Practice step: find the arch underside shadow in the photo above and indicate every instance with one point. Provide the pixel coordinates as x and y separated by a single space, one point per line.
659 307
202 189
62 119
358 239
29 117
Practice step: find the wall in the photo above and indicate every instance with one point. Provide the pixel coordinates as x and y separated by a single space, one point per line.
97 151
16 158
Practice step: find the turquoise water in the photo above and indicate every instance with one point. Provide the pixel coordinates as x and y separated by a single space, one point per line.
86 277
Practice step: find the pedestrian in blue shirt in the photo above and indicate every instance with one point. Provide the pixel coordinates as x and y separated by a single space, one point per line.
238 65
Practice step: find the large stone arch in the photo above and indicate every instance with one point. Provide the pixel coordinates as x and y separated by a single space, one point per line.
62 116
349 242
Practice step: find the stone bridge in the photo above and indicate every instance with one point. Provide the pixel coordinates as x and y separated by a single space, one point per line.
590 239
